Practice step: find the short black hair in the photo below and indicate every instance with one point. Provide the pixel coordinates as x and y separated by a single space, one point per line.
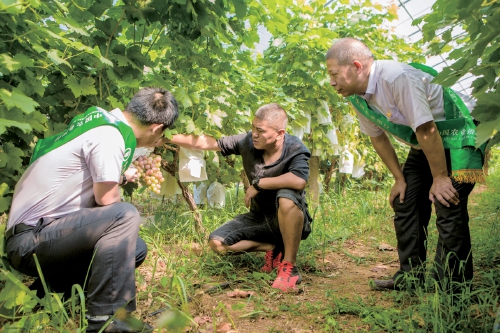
274 114
154 106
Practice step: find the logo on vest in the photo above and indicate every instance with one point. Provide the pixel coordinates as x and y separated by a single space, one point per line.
127 153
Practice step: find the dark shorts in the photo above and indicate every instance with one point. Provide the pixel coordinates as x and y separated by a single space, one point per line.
260 227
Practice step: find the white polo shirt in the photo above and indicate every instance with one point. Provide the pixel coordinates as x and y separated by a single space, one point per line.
404 95
61 181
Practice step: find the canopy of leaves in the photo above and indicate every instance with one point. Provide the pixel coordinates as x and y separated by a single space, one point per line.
57 58
476 51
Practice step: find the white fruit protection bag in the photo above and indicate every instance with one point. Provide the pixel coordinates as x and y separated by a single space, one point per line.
216 195
200 193
168 188
298 131
346 161
358 169
192 167
323 115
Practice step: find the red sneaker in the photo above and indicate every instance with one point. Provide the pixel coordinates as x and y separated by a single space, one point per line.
288 277
273 260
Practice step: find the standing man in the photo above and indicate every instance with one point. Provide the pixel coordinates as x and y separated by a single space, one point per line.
66 208
276 164
442 165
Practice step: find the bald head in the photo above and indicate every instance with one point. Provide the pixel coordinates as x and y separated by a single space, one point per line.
346 50
273 114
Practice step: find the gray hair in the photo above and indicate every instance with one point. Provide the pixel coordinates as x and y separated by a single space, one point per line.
274 114
346 50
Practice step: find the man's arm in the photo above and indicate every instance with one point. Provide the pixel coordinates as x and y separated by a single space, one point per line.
430 141
190 141
385 150
106 193
287 180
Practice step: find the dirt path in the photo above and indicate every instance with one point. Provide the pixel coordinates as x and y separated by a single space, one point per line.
343 272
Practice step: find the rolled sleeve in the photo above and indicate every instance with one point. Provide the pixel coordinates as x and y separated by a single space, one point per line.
230 145
299 166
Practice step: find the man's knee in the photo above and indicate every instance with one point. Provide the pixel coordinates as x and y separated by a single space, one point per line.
126 213
217 246
287 206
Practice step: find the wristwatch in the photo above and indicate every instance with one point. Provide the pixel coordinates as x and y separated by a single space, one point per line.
124 180
255 184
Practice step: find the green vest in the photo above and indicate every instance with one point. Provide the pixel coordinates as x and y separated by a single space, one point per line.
458 132
92 118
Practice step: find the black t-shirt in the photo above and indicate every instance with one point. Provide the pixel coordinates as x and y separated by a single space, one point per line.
294 158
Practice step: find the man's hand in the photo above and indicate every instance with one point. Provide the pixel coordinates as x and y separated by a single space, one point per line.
399 188
131 174
251 193
443 190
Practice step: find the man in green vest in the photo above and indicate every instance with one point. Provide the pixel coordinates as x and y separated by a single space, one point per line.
442 165
67 208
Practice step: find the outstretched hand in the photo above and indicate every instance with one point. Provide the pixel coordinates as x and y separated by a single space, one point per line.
399 188
251 193
442 189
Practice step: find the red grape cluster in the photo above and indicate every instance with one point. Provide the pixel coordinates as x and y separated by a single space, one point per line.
149 172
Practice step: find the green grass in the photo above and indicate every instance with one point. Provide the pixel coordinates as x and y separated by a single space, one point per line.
182 279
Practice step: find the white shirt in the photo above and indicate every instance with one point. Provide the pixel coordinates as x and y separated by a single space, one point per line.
403 94
61 181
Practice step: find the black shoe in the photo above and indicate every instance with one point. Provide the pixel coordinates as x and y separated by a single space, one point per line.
37 287
385 285
129 325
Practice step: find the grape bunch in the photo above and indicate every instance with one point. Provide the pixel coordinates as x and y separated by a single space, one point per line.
149 172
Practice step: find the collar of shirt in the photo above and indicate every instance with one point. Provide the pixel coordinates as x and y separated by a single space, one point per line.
119 114
372 82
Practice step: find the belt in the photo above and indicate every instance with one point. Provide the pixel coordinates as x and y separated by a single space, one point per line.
17 229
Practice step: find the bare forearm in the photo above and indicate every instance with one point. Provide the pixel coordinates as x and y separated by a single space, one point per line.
288 180
430 141
189 141
385 150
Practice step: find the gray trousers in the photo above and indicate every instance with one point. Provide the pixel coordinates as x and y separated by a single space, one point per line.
102 238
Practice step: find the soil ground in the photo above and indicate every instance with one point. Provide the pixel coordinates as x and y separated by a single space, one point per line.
343 271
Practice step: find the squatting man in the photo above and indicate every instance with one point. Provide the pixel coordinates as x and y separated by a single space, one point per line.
276 164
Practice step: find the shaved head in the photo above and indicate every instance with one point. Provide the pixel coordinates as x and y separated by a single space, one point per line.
273 114
347 50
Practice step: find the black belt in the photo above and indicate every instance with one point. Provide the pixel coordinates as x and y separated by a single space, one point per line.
17 229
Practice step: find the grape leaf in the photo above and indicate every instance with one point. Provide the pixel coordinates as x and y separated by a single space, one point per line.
72 25
215 117
10 158
17 98
240 8
52 54
84 86
4 123
183 97
5 202
9 65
